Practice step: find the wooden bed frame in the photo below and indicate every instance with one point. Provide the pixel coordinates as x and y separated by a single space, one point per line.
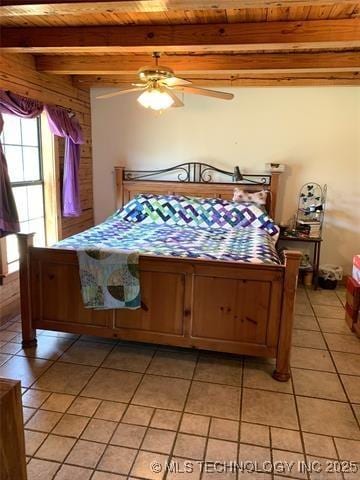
233 307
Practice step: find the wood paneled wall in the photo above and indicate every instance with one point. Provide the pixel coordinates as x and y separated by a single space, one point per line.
9 298
18 74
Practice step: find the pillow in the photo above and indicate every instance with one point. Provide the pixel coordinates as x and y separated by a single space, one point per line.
148 206
256 197
196 212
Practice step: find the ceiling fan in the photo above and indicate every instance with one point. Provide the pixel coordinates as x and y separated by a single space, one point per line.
159 85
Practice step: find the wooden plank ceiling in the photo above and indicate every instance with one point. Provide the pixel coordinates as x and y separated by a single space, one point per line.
227 42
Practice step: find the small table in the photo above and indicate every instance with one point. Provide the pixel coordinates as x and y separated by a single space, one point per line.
316 251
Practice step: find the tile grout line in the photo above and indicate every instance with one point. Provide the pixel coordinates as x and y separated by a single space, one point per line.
336 369
65 413
338 376
240 414
210 417
303 453
45 400
129 404
39 408
107 444
178 431
224 418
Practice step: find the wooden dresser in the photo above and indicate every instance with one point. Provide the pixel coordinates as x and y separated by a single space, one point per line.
12 444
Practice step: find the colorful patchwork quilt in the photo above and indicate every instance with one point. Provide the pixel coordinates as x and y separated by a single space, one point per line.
242 244
197 212
109 278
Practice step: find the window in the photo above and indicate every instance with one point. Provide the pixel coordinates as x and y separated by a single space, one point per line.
21 140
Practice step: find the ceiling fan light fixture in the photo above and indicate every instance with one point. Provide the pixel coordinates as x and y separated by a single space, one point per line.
155 99
159 86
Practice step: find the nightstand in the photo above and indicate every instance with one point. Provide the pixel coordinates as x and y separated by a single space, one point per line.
316 251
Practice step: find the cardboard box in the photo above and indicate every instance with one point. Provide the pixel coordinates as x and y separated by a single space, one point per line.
351 312
356 268
353 286
352 301
349 321
356 327
353 293
351 316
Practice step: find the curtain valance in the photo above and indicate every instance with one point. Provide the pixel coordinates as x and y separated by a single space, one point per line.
63 124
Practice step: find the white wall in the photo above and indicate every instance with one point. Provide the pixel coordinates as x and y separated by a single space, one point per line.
315 131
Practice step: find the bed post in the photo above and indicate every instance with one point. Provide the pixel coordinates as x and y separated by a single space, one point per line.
274 186
292 262
119 192
25 241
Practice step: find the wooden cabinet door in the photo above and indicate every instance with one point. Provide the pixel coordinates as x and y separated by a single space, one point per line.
162 299
232 309
56 295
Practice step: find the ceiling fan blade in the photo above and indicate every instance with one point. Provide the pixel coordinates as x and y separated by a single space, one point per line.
121 92
177 101
206 92
174 81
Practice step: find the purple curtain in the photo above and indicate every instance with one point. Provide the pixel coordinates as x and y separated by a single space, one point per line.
66 125
9 221
63 124
20 106
24 108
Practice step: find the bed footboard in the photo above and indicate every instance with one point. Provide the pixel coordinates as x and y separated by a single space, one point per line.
223 306
292 263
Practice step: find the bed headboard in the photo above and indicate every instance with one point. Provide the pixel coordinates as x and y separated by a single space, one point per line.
192 179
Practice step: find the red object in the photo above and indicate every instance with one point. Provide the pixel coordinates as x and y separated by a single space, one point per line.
356 268
356 328
353 301
351 312
351 318
350 322
353 293
353 286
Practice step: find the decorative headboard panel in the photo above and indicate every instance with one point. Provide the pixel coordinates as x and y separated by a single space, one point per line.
192 179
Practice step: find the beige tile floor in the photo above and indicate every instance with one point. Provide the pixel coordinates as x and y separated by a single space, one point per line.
104 410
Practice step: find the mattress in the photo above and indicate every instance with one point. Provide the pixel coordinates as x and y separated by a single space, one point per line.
248 244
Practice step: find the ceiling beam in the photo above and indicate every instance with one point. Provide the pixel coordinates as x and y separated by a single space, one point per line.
242 36
241 80
207 63
77 7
